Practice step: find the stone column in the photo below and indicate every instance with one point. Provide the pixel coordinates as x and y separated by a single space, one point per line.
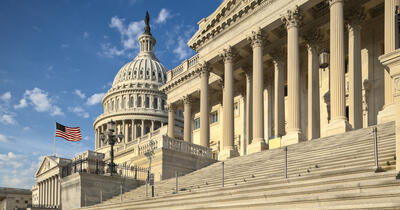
313 127
293 134
228 150
134 129
152 125
187 132
52 191
171 120
46 193
124 131
249 107
279 99
204 106
142 128
40 193
56 191
391 43
338 123
355 94
59 191
258 142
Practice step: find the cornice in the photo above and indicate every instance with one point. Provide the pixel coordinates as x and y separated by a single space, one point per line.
184 76
224 19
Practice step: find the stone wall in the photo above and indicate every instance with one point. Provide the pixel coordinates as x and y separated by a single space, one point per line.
82 189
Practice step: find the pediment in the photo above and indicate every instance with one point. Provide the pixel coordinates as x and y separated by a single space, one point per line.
47 164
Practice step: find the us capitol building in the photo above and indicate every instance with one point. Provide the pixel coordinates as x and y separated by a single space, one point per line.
267 74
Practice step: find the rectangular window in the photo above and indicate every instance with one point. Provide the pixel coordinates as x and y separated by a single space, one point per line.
155 103
197 123
214 117
139 101
162 104
147 101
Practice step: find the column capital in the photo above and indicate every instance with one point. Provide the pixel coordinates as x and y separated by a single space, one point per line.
228 54
292 18
256 38
170 107
312 38
204 69
278 55
354 18
187 99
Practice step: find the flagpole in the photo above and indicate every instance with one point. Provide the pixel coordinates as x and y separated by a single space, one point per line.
55 130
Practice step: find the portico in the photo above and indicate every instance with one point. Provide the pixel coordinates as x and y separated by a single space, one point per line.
271 68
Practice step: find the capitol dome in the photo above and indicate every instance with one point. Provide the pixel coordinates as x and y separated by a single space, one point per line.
134 101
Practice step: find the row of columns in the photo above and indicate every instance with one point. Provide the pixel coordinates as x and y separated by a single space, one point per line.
125 128
50 192
123 103
255 86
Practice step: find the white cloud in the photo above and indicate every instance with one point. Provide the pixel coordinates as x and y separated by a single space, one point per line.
22 104
7 119
86 138
95 98
64 46
40 101
6 97
79 93
4 138
79 111
17 170
85 35
27 128
182 50
163 16
129 34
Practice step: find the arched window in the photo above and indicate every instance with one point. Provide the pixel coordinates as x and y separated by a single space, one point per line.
155 103
139 101
131 102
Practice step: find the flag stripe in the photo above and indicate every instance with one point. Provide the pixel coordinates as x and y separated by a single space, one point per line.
68 133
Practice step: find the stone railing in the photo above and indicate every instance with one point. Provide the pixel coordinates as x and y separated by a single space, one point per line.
184 66
186 147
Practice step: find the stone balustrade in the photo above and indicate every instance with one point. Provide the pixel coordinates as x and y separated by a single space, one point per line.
184 66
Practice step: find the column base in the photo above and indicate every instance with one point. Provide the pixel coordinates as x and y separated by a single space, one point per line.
293 137
257 145
337 126
387 114
227 153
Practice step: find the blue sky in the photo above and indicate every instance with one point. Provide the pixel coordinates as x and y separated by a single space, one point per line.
58 58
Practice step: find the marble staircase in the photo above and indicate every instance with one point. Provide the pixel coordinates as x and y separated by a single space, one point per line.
335 172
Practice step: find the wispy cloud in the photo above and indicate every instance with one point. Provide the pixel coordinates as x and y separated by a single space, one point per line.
85 35
64 46
95 98
5 139
40 101
6 97
128 33
79 111
79 93
163 16
7 119
17 170
177 39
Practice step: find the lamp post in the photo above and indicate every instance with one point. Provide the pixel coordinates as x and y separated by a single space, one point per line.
111 139
149 154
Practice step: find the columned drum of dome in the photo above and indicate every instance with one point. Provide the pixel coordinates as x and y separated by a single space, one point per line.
134 100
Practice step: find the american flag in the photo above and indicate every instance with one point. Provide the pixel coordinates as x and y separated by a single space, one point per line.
68 133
